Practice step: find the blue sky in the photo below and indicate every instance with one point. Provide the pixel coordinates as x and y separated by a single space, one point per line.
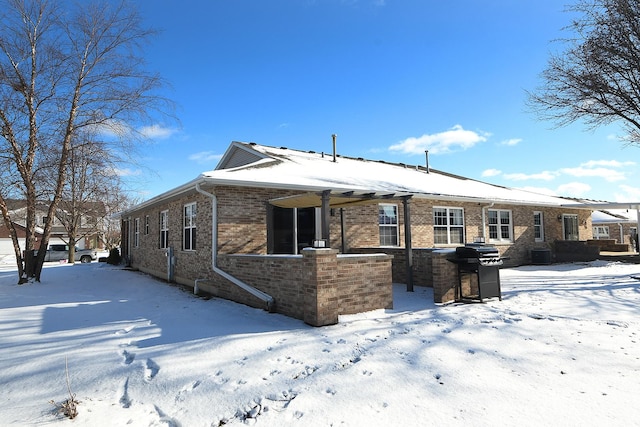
390 77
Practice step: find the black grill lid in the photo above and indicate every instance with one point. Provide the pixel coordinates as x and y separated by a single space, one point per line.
477 251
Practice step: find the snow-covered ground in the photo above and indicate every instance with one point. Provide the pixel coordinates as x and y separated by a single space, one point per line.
561 348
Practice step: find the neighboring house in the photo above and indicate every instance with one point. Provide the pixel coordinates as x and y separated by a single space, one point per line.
619 225
245 226
7 253
91 235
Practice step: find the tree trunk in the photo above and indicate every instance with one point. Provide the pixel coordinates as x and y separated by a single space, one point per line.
14 238
72 249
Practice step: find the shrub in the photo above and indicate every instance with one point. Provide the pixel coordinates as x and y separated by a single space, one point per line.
114 257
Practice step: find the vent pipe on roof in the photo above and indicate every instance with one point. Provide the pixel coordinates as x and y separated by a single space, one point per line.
426 154
334 136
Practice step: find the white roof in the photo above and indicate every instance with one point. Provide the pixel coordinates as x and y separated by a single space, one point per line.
349 180
614 216
310 171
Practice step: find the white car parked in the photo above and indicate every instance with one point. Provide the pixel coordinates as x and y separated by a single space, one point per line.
61 252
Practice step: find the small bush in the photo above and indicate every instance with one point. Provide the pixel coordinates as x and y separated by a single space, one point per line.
69 408
114 257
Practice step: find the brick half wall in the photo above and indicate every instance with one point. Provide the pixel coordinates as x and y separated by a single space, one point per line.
316 287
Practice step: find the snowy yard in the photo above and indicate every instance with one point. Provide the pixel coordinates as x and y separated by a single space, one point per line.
562 348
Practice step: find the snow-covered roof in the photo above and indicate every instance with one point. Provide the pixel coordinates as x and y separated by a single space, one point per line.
258 165
614 216
349 180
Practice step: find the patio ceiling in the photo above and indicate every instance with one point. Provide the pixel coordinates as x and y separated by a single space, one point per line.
604 205
336 200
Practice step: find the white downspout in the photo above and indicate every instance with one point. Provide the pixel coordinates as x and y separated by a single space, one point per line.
637 227
268 299
620 230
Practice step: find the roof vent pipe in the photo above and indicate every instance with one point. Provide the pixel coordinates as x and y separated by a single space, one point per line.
426 154
334 136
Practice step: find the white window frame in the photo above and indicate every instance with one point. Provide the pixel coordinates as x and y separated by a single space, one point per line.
136 233
450 225
499 226
164 229
601 232
189 212
538 229
384 227
146 225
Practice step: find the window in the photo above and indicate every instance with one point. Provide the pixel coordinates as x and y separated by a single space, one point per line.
601 232
189 227
448 226
388 224
500 228
538 227
570 226
164 229
136 232
146 225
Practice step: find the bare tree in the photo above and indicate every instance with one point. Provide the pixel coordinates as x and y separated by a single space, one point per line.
597 79
64 69
91 181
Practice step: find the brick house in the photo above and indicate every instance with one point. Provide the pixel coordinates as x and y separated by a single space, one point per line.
618 226
90 230
315 235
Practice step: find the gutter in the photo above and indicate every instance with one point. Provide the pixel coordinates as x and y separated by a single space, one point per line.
268 299
344 188
620 230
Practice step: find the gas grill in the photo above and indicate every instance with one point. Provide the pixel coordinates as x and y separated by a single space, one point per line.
482 262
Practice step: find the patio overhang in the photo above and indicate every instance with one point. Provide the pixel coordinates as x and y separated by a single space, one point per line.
328 199
597 206
336 199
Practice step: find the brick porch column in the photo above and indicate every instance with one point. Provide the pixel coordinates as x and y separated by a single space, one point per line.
319 287
445 276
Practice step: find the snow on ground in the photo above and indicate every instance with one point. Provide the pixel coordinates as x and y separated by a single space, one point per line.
561 348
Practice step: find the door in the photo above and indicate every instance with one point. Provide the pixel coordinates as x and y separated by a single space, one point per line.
570 227
291 230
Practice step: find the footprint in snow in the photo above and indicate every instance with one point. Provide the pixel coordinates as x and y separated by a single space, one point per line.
125 330
536 316
151 369
617 323
165 419
308 370
125 401
128 357
186 389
